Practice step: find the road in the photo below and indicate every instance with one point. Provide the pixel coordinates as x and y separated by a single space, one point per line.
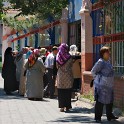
18 110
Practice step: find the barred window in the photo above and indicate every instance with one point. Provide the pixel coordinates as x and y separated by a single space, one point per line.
117 56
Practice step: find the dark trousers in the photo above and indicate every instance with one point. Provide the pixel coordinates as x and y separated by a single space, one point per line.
64 98
51 82
99 110
77 84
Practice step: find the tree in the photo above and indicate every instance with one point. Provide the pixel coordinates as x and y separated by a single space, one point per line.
42 8
2 9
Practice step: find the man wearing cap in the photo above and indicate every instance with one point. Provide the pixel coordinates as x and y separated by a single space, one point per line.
50 64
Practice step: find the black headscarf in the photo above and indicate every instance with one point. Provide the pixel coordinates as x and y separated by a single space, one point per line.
8 51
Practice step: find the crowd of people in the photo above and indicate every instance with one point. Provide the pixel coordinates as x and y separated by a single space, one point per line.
36 72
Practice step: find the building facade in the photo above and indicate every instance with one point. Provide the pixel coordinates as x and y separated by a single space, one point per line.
74 23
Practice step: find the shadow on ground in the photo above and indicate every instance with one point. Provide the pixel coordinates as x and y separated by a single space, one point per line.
15 95
82 119
81 110
86 117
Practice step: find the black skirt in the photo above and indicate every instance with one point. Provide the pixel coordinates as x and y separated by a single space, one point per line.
64 98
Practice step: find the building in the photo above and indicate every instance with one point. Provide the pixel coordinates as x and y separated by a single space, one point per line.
74 23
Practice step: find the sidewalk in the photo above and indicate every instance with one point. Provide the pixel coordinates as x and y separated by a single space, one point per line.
19 110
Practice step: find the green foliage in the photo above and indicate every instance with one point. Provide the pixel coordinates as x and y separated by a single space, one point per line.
0 58
1 9
0 63
88 96
21 24
42 8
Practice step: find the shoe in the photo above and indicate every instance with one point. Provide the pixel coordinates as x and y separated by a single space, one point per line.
9 93
112 118
62 110
98 121
67 109
52 97
38 99
32 99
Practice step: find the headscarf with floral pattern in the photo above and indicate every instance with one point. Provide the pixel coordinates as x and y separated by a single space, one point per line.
33 58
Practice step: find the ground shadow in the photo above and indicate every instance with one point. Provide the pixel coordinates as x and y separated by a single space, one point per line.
82 119
15 95
83 110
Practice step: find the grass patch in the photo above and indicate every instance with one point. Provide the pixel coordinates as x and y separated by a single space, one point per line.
0 63
88 96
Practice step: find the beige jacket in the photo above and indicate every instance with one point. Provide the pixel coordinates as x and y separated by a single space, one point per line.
76 69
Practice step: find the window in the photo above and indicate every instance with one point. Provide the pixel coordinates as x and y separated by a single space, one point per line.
117 56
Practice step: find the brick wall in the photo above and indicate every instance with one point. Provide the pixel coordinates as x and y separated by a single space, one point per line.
119 92
118 88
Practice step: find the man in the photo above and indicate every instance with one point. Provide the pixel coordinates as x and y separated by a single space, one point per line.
50 64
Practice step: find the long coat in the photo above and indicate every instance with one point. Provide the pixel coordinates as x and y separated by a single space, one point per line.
21 78
34 83
104 81
9 72
65 76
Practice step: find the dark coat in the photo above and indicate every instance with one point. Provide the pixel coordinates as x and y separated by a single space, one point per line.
9 74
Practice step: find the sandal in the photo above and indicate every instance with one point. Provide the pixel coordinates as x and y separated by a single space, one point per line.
62 110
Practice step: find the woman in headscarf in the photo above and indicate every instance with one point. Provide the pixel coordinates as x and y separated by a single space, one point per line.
9 72
64 77
35 72
20 62
76 67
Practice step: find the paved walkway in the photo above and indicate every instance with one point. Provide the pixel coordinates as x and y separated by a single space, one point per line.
19 110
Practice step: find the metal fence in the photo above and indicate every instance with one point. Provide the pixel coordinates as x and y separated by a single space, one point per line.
117 56
106 21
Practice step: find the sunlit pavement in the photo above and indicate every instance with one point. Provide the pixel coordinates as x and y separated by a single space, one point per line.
18 110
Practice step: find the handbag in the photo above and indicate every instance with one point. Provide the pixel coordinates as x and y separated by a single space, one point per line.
25 73
91 83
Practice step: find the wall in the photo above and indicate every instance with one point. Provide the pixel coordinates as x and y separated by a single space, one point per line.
119 92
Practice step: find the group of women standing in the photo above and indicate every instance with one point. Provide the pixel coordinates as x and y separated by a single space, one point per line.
26 75
23 72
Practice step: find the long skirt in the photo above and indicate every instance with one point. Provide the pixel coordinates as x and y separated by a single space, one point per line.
64 98
22 84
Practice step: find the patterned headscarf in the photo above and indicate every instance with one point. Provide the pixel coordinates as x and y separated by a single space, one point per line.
28 54
33 58
63 55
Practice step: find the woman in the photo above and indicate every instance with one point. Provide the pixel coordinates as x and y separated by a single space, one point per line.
64 77
20 62
19 65
103 80
35 72
76 68
9 72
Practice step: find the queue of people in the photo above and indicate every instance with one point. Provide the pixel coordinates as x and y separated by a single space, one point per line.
36 72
